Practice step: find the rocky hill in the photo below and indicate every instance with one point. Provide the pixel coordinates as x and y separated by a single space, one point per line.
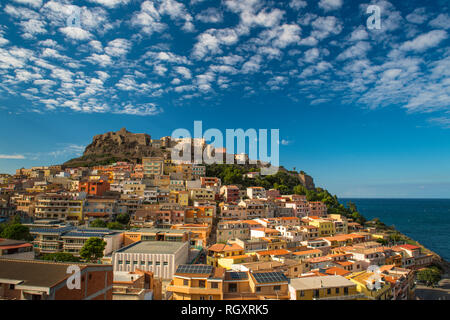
121 145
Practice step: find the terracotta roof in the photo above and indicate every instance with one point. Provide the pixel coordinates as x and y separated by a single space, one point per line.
409 247
278 252
218 247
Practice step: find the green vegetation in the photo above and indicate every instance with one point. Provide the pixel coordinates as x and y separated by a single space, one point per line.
115 226
430 276
287 182
93 249
123 218
14 230
92 160
60 257
98 223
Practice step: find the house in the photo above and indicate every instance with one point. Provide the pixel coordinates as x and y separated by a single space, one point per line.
256 192
330 287
372 285
160 257
153 166
136 285
42 280
217 251
230 193
227 230
197 282
93 187
15 249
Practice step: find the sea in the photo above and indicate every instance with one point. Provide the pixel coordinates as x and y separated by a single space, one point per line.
425 220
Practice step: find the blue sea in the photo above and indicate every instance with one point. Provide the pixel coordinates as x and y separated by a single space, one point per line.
424 220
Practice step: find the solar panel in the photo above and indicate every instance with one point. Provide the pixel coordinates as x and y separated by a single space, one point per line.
268 277
194 268
238 275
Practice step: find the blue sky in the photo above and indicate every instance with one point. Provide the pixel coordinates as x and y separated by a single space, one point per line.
366 112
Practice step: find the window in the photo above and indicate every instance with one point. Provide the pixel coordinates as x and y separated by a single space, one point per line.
11 287
202 283
120 261
302 293
143 263
157 263
258 289
337 290
214 285
316 293
346 290
277 288
165 263
232 287
328 291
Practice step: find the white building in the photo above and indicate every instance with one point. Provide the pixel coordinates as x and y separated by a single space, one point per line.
160 257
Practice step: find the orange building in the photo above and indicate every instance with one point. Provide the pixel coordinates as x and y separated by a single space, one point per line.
95 188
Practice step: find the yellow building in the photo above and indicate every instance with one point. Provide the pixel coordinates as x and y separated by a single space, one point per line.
197 282
180 197
371 285
202 194
227 262
324 288
217 251
75 210
326 227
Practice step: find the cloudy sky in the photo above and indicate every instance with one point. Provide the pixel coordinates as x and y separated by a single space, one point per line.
365 111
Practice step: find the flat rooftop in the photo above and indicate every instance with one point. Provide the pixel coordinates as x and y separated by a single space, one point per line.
319 282
153 247
36 273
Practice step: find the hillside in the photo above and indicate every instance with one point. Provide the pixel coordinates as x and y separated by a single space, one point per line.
116 146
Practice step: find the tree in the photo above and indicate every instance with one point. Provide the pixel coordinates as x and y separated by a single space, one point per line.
115 226
61 257
395 237
93 249
16 231
123 218
300 189
431 276
98 223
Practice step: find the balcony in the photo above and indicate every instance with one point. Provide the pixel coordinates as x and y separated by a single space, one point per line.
194 290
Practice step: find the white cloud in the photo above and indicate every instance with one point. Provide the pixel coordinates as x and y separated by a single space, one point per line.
210 15
185 72
101 59
357 50
424 41
329 5
210 42
323 27
418 16
110 3
76 33
33 3
297 4
12 156
441 21
148 109
118 47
